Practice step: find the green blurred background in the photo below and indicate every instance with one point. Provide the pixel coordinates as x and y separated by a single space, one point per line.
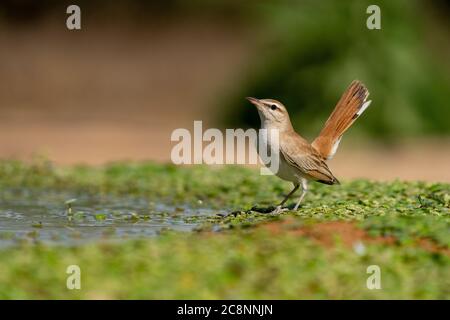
313 49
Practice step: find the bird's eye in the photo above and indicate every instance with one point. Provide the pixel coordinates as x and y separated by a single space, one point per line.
273 107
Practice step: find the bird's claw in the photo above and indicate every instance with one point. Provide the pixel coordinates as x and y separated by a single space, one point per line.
278 210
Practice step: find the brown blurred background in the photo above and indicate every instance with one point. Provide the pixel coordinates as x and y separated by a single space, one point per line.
137 70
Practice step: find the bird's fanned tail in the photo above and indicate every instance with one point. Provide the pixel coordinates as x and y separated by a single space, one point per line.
351 105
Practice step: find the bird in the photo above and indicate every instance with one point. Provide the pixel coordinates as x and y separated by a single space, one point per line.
299 160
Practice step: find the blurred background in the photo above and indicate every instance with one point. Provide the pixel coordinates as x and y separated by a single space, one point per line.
137 70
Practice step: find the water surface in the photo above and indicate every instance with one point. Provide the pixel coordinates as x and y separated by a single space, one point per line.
43 216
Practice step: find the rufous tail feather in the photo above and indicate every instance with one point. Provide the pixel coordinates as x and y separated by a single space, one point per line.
351 105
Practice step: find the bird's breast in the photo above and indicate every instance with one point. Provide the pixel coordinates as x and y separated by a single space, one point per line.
284 170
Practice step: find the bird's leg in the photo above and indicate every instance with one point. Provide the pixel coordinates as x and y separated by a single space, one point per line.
279 208
289 195
304 189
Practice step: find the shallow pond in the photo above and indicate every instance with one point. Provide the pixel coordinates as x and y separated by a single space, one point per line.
56 218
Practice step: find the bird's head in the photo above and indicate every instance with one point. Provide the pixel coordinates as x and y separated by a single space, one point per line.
273 113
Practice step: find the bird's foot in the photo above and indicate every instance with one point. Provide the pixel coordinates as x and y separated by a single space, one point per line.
278 210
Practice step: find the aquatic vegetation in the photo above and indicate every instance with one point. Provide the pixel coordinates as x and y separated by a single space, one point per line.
236 251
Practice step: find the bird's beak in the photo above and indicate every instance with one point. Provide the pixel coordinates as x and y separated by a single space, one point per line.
254 101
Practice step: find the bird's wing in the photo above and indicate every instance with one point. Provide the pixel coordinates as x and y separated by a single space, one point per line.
301 155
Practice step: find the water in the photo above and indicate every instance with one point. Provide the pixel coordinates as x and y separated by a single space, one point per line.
37 216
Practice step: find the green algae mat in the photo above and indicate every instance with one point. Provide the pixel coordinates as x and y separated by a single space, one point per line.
152 231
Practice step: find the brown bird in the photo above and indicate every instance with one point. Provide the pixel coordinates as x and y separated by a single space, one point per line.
301 161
